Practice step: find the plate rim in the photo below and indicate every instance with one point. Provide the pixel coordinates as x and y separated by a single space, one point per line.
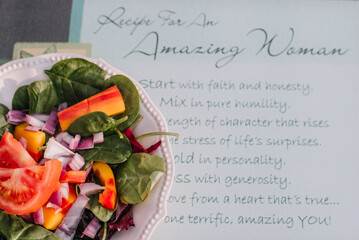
146 101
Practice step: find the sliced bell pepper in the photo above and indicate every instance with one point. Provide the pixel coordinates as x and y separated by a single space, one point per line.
73 176
34 140
52 218
105 174
109 101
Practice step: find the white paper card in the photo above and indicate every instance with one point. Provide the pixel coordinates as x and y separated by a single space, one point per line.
264 95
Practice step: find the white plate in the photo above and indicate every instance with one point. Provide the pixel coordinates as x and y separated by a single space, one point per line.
147 214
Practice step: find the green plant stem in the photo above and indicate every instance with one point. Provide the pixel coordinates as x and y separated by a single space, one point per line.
156 134
104 230
121 120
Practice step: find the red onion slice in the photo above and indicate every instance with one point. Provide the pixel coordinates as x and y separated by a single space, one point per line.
43 161
27 217
54 206
15 117
59 136
34 121
67 137
98 138
92 228
74 142
67 228
90 188
51 122
66 145
55 149
23 142
39 216
40 116
65 159
86 143
32 128
56 198
89 168
65 190
62 106
77 162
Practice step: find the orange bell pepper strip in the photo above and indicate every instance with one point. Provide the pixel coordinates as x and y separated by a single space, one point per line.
109 101
105 174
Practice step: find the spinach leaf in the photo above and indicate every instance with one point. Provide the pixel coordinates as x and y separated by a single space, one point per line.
76 79
134 177
130 96
15 228
20 101
42 97
4 125
94 122
113 150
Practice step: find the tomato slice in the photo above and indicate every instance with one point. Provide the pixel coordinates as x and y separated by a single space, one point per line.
13 154
25 190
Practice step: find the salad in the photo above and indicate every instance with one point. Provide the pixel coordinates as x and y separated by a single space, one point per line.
70 165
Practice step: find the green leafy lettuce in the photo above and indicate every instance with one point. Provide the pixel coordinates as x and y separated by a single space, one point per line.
76 79
42 97
113 150
130 96
4 125
13 227
134 177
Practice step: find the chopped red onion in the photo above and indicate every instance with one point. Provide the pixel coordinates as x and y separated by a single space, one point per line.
40 116
15 117
56 198
74 142
66 145
27 217
92 228
57 208
77 162
62 106
43 161
59 136
39 216
23 142
65 190
90 188
34 121
32 128
98 138
89 168
65 159
55 149
51 122
67 228
86 143
67 137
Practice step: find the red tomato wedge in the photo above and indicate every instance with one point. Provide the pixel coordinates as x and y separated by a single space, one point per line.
13 154
25 190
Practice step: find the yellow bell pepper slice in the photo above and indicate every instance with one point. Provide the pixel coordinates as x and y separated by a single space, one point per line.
34 140
105 174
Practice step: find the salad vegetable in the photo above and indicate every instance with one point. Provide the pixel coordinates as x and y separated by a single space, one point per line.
34 140
108 101
13 154
91 169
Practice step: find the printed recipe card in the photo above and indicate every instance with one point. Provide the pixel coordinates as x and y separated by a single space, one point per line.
265 97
